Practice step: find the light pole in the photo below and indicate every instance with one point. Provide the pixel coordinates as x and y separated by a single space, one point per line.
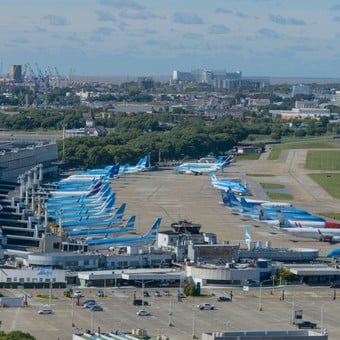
72 312
193 322
321 321
260 294
170 312
143 285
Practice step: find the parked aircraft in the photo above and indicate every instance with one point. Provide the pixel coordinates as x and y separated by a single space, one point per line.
106 173
111 243
311 224
116 218
334 253
89 191
201 166
104 191
128 228
321 234
228 184
128 169
82 210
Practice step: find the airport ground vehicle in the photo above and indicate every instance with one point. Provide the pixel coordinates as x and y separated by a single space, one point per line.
139 302
45 311
77 293
205 306
143 312
89 304
306 324
223 299
88 301
96 308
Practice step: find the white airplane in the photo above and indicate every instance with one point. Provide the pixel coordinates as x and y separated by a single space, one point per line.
311 224
129 169
111 243
321 234
204 166
233 185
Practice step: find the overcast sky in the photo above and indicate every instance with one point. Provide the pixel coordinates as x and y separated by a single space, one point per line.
283 38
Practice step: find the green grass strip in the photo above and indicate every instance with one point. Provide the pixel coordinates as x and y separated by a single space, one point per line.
272 186
279 196
277 148
323 160
330 182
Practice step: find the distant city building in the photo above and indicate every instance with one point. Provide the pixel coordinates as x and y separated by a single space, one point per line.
300 89
16 73
146 83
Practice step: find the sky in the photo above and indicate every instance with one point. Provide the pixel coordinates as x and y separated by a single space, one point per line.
274 38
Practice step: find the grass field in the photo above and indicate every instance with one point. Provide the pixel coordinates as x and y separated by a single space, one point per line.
330 182
276 149
272 186
323 160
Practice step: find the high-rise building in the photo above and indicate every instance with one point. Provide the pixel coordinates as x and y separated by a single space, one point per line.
16 73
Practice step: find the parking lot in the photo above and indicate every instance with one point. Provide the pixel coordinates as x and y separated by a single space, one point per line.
179 320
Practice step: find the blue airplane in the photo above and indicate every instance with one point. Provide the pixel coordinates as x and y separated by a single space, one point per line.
111 243
204 165
57 205
128 169
81 210
128 228
228 185
76 192
116 219
106 173
103 214
104 191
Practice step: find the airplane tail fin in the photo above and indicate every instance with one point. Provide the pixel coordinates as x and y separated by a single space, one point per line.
213 177
247 237
227 161
130 224
120 212
153 230
244 203
110 201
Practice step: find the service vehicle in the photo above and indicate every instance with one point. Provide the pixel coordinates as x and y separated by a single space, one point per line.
205 306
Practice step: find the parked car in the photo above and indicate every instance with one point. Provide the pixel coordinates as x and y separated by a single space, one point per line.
146 293
96 308
100 293
205 306
77 293
306 324
166 293
157 293
88 301
45 311
223 299
180 295
139 302
143 312
89 304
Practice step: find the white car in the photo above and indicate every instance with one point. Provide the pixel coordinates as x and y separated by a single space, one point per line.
45 311
143 312
205 306
77 293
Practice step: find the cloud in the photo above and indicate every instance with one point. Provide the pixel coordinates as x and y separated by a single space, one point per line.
278 19
187 18
122 4
223 10
137 14
105 16
107 31
218 29
55 20
192 36
268 33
